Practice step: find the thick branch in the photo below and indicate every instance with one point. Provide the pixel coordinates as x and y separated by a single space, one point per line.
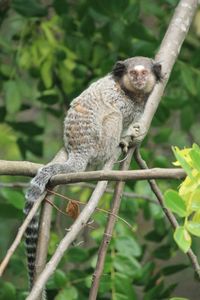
15 168
168 53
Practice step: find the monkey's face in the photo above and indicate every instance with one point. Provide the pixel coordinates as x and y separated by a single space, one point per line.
138 74
139 78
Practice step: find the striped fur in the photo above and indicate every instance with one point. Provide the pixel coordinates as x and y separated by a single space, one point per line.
31 238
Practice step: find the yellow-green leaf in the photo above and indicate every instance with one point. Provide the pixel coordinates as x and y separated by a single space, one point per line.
184 164
194 228
195 200
195 156
46 73
182 238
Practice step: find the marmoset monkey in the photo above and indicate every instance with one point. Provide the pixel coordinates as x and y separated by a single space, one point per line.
102 116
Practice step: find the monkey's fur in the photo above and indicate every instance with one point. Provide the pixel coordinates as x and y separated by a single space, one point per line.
102 116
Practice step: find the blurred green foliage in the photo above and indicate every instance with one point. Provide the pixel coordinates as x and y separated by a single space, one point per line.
49 52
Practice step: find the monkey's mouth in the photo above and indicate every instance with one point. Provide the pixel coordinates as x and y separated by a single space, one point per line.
139 85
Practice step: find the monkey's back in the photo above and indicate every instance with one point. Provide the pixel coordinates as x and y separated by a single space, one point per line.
96 118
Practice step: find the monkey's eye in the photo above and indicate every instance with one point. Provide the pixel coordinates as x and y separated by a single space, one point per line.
133 73
144 72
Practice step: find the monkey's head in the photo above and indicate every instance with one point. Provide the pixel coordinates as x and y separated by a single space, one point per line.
137 74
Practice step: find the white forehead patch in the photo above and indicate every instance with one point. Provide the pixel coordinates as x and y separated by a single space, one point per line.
139 68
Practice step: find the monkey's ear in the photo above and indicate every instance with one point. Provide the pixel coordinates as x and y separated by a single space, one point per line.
157 69
119 69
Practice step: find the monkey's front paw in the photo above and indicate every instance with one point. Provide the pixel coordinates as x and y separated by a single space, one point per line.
137 133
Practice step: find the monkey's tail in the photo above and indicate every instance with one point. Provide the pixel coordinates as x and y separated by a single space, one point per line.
37 186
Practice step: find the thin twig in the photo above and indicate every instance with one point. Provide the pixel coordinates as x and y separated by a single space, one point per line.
131 195
155 189
82 203
109 230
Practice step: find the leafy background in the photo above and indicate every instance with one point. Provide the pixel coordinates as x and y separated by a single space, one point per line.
49 52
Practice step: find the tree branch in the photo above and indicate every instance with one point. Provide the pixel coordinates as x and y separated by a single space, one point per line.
168 53
109 230
15 168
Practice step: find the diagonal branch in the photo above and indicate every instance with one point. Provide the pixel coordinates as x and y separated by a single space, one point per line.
168 53
168 213
109 230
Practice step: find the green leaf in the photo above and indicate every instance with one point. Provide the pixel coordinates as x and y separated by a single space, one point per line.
14 197
9 211
46 73
163 252
28 128
60 6
118 296
123 286
182 238
69 293
60 278
187 117
163 135
2 113
174 202
12 96
127 245
31 8
154 292
8 291
195 200
188 79
77 255
195 156
125 264
194 228
169 270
